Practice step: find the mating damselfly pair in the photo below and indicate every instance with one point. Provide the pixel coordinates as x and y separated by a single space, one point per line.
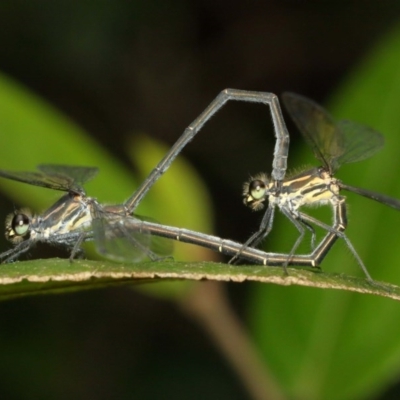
120 235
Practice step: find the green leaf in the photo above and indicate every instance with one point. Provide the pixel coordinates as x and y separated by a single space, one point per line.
336 345
60 276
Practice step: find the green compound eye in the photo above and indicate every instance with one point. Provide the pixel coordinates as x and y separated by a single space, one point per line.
257 189
20 224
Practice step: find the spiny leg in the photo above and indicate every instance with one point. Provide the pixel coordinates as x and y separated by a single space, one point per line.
15 252
340 224
262 232
299 224
77 251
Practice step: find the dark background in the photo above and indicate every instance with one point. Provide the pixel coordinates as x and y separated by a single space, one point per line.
123 67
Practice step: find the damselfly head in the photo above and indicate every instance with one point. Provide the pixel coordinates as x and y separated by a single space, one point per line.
17 225
255 191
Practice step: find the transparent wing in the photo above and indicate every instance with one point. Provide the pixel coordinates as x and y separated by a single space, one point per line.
79 175
114 242
39 179
333 143
158 245
317 127
122 239
360 142
57 177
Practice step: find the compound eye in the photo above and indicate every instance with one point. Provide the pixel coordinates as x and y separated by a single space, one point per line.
257 189
20 224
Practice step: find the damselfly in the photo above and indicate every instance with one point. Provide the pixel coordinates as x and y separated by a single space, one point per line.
334 144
